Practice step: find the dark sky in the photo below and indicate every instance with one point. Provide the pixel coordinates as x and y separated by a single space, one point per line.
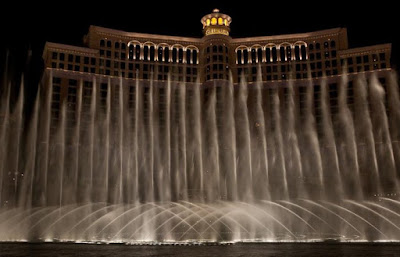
68 21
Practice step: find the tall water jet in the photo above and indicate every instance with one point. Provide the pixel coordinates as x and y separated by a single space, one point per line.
13 159
281 175
292 148
346 143
181 144
196 170
394 115
332 180
28 174
312 164
4 110
243 137
211 146
230 140
259 143
384 150
365 138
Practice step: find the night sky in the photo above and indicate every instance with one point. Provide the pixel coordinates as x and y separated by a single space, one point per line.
68 21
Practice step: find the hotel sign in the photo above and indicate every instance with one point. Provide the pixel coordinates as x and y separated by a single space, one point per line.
219 31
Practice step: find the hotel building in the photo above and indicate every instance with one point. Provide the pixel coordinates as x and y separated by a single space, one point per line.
110 57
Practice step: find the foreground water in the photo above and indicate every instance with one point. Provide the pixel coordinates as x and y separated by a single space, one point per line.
248 250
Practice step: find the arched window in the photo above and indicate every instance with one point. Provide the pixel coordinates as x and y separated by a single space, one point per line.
245 56
130 53
220 49
259 54
160 54
137 52
180 55
282 54
166 54
102 43
146 52
188 56
194 56
123 46
108 43
215 49
333 44
152 53
116 45
174 55
289 52
303 52
239 56
274 54
253 55
297 52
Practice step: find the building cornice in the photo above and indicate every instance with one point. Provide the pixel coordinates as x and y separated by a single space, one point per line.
137 36
50 46
365 50
291 37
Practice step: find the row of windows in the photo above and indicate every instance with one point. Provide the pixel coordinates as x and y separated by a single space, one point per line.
108 43
163 54
381 57
217 49
73 58
271 55
317 46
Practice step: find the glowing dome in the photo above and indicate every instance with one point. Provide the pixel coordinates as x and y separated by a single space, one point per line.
216 23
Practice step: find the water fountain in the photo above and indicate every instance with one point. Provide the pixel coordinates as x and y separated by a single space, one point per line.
178 163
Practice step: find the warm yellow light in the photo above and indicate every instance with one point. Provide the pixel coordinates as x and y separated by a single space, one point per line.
220 21
226 22
208 22
214 21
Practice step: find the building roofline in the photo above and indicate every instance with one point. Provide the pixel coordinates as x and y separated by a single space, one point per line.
50 45
316 34
365 49
115 32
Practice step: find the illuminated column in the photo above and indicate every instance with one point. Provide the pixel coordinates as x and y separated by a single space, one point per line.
278 54
286 55
271 57
306 51
141 52
264 54
293 52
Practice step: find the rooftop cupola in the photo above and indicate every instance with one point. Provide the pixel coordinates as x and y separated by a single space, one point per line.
216 23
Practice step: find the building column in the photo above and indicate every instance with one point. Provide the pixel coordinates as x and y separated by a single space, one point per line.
264 54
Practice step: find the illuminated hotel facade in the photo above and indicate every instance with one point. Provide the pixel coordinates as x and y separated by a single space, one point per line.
111 56
215 56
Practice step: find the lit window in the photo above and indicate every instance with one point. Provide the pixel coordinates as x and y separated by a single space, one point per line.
220 21
226 22
214 21
208 22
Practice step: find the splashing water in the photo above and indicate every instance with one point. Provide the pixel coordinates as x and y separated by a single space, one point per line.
148 161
